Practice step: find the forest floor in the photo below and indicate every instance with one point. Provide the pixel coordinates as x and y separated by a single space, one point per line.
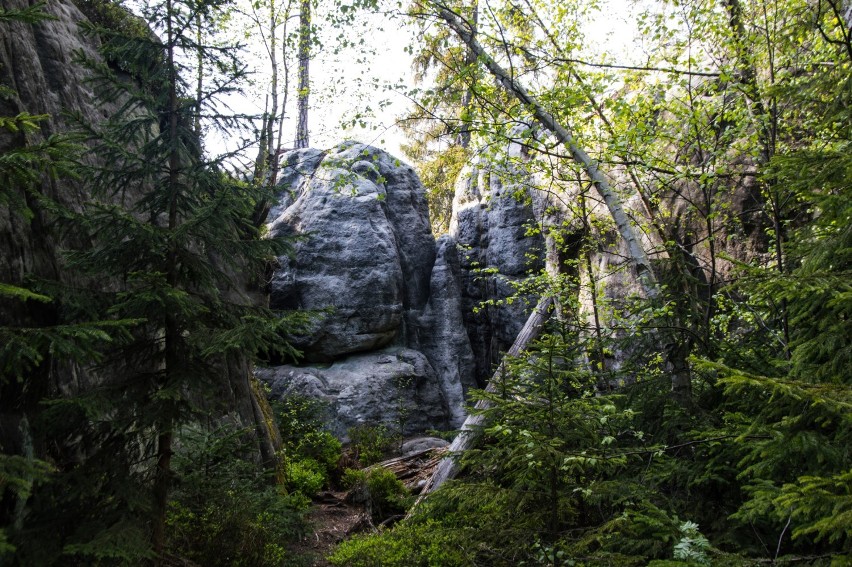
331 520
334 516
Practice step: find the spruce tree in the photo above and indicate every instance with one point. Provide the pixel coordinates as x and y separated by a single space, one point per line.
173 249
41 336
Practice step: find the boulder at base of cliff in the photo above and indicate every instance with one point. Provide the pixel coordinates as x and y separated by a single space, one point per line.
395 387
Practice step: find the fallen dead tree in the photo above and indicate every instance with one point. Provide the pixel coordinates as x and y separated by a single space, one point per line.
448 467
414 470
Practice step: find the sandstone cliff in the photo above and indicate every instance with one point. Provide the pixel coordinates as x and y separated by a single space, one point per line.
387 344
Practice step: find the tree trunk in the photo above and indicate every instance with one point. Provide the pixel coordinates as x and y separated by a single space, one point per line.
271 150
304 75
637 255
448 467
200 76
469 61
161 493
681 381
162 473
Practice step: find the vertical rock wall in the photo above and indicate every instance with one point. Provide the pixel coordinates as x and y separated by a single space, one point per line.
491 225
38 65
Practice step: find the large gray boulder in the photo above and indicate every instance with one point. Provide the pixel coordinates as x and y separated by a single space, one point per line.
365 263
366 251
394 387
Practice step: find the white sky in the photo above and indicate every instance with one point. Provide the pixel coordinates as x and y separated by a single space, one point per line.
343 88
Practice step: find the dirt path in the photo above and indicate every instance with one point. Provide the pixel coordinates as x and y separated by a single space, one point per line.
331 520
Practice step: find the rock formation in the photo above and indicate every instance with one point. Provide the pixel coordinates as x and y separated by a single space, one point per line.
491 225
368 251
37 68
396 387
386 298
393 305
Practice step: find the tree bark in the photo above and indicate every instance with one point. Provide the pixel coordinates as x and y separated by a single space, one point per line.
638 258
271 150
448 467
304 75
469 61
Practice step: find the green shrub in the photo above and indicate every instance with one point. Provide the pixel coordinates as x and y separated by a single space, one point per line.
234 530
225 511
383 493
298 417
408 545
306 476
370 443
322 447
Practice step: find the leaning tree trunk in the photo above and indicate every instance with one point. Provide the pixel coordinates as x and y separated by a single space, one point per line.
449 467
638 258
681 381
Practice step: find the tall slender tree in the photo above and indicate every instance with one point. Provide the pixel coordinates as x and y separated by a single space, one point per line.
173 239
305 39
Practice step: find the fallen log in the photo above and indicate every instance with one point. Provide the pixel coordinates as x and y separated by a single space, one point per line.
448 468
414 470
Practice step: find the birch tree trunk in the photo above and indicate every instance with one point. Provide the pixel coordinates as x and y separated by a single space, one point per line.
448 467
638 258
304 76
680 377
271 150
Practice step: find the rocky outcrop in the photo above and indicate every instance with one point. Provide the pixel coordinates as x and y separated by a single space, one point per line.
396 387
39 77
497 196
366 264
492 222
367 252
442 337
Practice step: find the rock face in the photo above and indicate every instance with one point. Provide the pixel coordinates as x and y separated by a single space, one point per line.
443 338
36 67
369 249
491 218
396 387
390 291
367 264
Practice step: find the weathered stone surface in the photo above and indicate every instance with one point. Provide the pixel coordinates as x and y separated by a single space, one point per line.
367 253
420 444
491 216
39 65
442 336
395 387
37 68
367 262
